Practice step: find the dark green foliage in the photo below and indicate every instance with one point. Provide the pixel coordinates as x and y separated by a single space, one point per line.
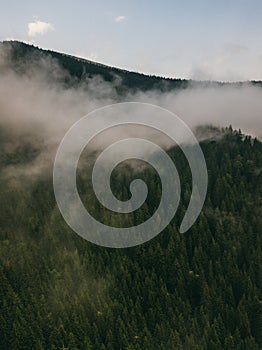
200 290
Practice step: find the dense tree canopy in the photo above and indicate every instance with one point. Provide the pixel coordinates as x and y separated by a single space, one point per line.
198 290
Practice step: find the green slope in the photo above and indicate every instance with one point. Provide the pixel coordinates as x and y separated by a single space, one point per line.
199 290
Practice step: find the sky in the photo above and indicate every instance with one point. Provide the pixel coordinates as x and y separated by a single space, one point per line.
193 39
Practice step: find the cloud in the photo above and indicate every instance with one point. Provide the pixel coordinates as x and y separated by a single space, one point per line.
42 107
120 18
39 28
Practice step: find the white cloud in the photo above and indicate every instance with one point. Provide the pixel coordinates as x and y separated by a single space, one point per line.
120 18
39 28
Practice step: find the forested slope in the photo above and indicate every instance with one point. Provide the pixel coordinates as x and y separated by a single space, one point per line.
198 290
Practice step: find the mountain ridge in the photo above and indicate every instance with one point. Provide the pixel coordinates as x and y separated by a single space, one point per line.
79 67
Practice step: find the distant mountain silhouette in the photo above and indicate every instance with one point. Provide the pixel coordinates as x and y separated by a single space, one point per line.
22 54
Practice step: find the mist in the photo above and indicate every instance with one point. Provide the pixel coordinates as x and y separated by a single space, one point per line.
240 106
38 103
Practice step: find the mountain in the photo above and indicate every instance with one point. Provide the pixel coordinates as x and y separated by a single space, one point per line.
199 290
22 54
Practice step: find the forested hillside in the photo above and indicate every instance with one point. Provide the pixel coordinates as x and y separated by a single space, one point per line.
199 290
21 55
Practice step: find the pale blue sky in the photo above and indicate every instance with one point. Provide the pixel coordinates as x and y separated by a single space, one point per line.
199 39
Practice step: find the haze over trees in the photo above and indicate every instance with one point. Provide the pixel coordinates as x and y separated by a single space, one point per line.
198 290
